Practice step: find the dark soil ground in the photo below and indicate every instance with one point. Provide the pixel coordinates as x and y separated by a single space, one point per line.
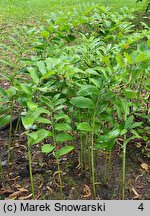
75 184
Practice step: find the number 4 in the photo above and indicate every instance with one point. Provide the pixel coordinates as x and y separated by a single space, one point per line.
141 207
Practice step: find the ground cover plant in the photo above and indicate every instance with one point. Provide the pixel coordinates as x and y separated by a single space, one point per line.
80 92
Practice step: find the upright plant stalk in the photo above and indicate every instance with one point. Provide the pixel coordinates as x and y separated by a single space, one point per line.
15 135
92 164
59 174
92 153
2 173
10 136
30 169
57 159
123 167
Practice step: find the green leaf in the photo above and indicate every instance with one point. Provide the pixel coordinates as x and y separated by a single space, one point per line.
33 74
32 116
142 57
38 136
43 120
62 116
63 151
124 131
128 122
91 71
47 75
32 106
4 119
128 57
47 148
120 60
84 126
88 90
26 88
11 91
136 124
82 102
62 127
135 133
130 94
41 66
114 133
45 34
62 137
95 82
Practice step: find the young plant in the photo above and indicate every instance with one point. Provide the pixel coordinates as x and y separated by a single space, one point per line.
48 148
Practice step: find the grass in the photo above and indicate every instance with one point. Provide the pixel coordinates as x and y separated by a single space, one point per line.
14 11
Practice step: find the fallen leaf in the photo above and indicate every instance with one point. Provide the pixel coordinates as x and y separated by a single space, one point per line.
25 197
144 166
136 194
17 193
86 191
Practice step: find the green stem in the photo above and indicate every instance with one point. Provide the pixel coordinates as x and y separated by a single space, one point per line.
10 136
30 169
2 173
59 175
92 164
15 136
123 167
92 153
106 167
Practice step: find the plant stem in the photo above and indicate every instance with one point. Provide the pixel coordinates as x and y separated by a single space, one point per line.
123 167
10 136
30 169
15 135
2 173
92 164
59 175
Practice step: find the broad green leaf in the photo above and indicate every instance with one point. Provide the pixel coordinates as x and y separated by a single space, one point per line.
82 102
32 116
26 88
63 151
38 136
107 146
51 63
88 90
114 133
142 57
33 74
130 94
45 34
84 126
47 75
47 148
136 124
95 82
135 133
62 127
128 122
92 72
32 106
2 92
128 57
4 119
62 137
62 116
43 120
124 131
11 91
120 60
41 66
27 122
